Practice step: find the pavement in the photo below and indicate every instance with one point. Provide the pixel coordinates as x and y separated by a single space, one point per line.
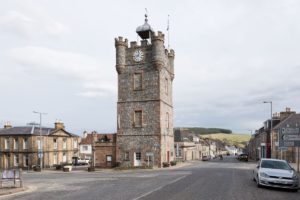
13 190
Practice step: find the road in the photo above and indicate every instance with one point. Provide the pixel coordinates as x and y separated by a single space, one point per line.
212 180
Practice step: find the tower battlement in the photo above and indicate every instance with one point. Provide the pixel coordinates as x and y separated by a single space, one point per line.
171 53
121 42
158 36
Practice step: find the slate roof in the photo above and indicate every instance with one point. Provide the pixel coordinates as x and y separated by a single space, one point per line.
30 130
293 121
89 138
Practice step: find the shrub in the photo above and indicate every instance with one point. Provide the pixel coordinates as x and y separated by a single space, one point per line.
173 163
166 164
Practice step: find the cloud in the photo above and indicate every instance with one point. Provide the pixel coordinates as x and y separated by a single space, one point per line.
28 26
91 72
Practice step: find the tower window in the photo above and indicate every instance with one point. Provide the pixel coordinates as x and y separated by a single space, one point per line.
166 87
137 81
138 118
167 120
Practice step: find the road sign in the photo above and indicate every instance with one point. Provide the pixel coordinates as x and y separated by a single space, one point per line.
289 137
289 130
40 154
149 154
282 148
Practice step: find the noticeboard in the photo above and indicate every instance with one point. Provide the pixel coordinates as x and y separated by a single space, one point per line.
289 137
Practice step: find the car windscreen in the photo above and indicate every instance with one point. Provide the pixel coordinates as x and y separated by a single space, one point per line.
273 164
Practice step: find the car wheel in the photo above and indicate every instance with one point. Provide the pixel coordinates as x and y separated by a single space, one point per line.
257 182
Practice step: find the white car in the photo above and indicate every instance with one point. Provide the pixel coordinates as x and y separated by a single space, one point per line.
275 173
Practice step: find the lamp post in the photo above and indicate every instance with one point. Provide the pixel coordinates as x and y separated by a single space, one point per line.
271 104
40 150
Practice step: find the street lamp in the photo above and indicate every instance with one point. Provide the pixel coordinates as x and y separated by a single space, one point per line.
271 104
40 150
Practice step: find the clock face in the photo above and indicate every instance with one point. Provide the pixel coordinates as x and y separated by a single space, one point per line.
138 55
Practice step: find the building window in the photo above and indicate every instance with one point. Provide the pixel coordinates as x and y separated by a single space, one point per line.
75 144
167 120
137 81
65 143
26 160
138 155
166 86
25 143
138 118
16 160
64 157
54 143
85 147
6 143
55 158
39 144
16 143
126 155
179 153
75 154
108 158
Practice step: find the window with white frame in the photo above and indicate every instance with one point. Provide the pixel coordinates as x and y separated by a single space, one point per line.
75 143
39 144
25 143
64 143
6 143
16 160
16 143
64 157
55 158
85 147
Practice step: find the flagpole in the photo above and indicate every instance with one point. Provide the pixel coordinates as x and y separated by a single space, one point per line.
168 29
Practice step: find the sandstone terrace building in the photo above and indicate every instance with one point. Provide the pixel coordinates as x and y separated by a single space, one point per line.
20 146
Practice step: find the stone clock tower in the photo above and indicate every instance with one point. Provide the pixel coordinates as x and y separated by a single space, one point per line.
145 107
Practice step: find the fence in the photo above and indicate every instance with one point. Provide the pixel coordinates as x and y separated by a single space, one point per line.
11 175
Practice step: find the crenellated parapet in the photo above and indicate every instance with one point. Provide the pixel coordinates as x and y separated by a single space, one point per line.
121 45
158 49
171 56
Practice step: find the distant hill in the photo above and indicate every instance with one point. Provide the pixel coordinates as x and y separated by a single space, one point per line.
239 140
201 130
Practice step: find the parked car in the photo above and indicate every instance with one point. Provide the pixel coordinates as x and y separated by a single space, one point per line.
243 157
275 173
79 161
205 158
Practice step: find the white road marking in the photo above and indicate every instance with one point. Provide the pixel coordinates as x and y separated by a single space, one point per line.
156 189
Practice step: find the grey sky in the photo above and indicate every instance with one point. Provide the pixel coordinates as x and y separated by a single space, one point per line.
58 56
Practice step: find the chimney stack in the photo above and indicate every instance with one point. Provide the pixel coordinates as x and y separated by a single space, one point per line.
59 125
286 113
7 125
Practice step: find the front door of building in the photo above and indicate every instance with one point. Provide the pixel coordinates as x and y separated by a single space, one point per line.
137 159
108 161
